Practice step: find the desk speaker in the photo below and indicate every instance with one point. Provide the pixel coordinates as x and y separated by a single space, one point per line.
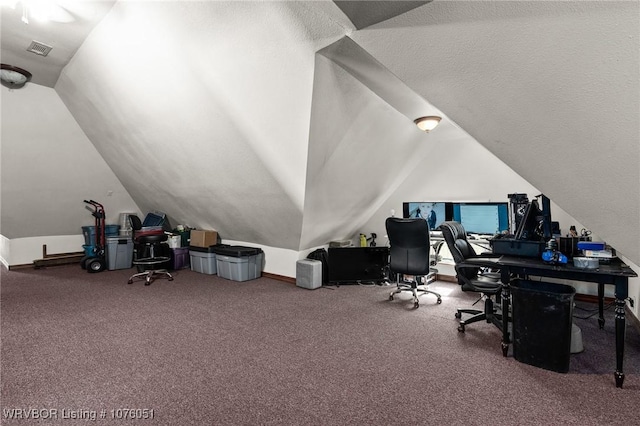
309 273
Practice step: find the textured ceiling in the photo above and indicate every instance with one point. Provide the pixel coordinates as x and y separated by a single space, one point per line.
70 24
365 13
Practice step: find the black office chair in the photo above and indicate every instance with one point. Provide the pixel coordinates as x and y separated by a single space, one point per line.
474 273
147 258
410 255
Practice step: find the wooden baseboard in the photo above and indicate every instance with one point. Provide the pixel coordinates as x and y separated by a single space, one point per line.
448 278
21 266
279 277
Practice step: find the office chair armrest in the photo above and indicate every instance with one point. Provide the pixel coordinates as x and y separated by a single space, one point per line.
478 262
486 254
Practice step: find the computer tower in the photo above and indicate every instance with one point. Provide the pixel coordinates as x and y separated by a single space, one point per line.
309 273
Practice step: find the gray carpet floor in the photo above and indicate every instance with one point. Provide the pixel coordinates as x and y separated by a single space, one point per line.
203 350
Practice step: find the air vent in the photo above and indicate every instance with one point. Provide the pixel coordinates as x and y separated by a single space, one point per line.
39 48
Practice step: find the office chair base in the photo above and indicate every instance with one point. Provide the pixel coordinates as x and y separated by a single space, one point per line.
151 275
477 316
416 294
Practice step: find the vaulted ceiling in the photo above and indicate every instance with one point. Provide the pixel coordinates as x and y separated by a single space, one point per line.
249 117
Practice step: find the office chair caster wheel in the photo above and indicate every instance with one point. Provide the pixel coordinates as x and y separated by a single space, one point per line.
170 279
416 305
439 301
458 315
130 282
461 328
391 297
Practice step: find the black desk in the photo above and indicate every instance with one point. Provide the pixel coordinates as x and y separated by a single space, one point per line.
616 274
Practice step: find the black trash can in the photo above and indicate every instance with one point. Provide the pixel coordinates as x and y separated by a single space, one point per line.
542 315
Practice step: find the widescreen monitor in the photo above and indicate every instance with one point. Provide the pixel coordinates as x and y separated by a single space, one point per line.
433 212
482 218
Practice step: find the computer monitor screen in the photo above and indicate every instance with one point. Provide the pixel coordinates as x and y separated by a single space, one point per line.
482 218
433 212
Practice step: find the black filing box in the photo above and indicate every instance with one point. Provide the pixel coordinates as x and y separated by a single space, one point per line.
514 247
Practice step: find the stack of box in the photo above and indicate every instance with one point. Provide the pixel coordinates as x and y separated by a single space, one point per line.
202 257
597 250
118 249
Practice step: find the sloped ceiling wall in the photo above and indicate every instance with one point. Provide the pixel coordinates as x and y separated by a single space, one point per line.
360 150
551 88
48 167
220 110
202 109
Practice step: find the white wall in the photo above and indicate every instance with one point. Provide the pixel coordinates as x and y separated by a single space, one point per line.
23 251
48 167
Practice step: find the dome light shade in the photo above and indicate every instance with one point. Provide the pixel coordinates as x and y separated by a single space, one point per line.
427 123
13 77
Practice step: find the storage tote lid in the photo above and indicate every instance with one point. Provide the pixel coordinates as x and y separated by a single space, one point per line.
236 251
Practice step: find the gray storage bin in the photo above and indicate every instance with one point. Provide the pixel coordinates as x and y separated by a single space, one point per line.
202 261
119 253
242 268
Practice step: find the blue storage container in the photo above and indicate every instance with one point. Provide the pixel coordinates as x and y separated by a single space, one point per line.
89 233
590 245
88 250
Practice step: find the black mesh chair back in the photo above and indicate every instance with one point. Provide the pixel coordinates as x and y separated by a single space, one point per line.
410 248
409 254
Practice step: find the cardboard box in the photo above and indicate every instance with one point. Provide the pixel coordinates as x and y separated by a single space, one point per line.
203 238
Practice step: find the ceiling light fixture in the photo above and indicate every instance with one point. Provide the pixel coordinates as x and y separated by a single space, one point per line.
13 77
41 10
427 123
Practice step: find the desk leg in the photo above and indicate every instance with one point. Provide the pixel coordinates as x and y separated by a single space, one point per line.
601 305
621 294
620 332
506 339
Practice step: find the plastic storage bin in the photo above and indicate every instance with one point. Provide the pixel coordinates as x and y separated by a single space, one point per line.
542 319
180 258
89 233
119 253
203 260
239 263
